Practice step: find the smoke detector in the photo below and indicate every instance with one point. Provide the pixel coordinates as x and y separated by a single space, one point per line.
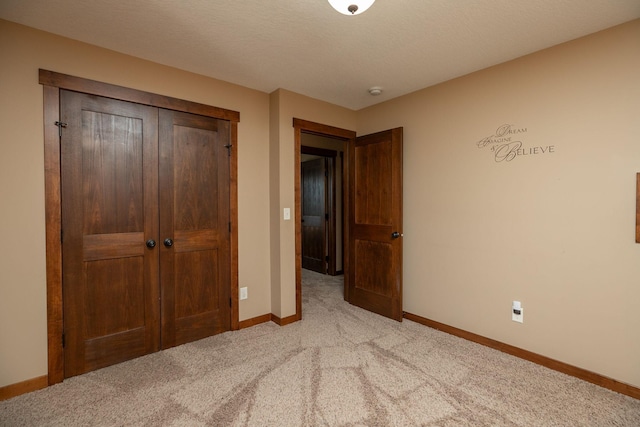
375 91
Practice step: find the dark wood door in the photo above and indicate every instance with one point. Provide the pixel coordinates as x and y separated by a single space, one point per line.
146 229
375 223
109 157
314 221
194 215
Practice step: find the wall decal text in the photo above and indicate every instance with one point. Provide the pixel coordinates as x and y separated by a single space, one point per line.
506 144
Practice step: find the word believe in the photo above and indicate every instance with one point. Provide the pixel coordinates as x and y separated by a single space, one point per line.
510 150
505 148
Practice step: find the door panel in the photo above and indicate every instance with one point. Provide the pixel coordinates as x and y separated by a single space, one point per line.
194 203
111 280
373 277
116 245
313 177
375 191
109 193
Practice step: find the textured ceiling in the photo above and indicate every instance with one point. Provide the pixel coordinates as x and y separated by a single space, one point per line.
306 47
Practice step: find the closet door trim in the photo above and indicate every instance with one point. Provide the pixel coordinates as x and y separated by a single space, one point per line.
92 87
52 82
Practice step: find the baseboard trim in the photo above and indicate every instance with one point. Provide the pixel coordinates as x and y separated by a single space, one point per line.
255 321
547 362
13 390
285 321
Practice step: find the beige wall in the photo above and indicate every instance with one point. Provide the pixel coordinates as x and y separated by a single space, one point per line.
555 230
23 344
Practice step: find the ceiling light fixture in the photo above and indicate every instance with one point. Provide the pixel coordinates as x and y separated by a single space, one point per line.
351 7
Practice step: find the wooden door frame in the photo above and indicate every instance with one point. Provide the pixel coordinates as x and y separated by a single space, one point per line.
52 83
330 201
348 137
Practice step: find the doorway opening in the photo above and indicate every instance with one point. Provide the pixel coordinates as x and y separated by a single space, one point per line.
322 202
322 142
372 208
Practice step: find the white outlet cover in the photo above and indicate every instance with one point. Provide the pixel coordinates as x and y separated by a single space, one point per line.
518 317
244 294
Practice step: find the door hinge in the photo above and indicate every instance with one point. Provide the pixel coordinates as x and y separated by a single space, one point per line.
61 236
327 258
60 126
228 147
229 226
229 302
326 217
63 341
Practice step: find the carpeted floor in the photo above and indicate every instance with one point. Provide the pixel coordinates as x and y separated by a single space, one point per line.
339 366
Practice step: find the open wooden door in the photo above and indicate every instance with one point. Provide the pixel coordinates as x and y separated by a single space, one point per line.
375 223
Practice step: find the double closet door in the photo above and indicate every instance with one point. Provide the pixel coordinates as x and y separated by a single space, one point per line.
145 229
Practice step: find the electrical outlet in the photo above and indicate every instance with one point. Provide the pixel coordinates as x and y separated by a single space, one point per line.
518 317
244 294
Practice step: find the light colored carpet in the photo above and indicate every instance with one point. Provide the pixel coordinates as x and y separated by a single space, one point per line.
339 366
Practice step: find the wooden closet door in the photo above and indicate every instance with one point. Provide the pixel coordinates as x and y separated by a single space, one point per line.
109 190
194 227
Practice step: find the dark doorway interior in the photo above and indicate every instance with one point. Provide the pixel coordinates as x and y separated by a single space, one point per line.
321 204
315 216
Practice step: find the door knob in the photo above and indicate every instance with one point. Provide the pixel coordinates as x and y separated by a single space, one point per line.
151 243
395 235
168 242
